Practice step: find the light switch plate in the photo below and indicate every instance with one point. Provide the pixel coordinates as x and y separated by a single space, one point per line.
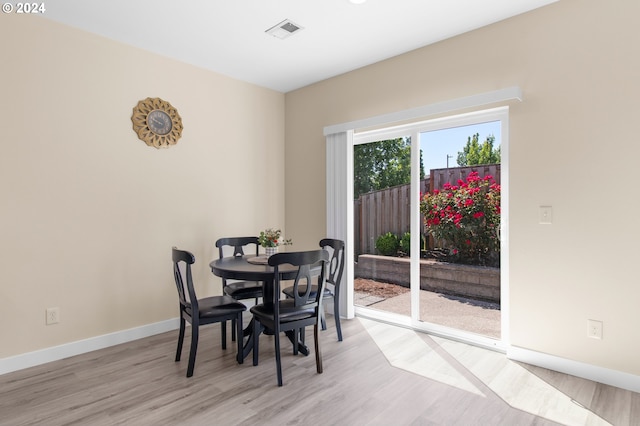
546 215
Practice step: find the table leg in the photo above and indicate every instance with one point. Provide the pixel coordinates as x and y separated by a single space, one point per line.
302 348
247 330
248 345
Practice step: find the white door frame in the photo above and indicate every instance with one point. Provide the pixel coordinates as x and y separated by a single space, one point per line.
340 141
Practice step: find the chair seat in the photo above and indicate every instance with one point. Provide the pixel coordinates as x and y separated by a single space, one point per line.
244 290
287 312
216 306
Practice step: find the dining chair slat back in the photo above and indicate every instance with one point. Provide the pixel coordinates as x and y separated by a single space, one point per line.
203 311
293 314
239 290
335 270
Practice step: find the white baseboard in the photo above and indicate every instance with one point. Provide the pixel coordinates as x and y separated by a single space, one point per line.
579 369
66 350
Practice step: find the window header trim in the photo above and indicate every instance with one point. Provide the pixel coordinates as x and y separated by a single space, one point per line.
425 111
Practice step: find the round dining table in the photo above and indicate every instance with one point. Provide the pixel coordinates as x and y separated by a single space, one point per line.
254 268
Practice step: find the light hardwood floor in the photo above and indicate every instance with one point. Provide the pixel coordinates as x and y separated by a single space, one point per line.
379 375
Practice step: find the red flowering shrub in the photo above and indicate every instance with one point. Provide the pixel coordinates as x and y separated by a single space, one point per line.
467 217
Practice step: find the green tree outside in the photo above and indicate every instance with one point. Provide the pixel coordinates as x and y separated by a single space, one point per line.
475 153
383 164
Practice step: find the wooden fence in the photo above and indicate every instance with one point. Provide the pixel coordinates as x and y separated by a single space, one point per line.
388 210
441 176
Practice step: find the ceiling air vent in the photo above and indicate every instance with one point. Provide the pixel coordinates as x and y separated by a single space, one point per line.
284 29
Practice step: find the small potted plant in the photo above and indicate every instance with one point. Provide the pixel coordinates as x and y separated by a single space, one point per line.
270 239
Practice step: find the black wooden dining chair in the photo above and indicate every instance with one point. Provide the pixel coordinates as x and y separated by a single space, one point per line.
334 278
204 311
294 314
239 290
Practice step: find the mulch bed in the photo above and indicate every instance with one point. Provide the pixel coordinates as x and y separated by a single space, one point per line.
380 289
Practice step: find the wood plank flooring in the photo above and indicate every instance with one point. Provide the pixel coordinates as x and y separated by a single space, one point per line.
379 375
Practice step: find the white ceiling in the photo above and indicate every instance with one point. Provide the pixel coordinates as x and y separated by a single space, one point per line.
228 36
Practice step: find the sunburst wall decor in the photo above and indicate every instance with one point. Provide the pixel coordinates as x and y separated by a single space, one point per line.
157 123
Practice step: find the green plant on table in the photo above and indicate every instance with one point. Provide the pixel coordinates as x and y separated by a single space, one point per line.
272 238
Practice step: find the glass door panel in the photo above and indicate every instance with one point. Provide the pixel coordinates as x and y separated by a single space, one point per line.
382 224
460 221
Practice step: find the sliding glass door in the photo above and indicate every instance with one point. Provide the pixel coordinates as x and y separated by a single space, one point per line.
428 216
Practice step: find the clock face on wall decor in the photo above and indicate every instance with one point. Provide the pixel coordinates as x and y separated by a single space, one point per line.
157 123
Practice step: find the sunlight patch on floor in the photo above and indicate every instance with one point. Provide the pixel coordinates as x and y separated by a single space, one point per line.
404 349
517 386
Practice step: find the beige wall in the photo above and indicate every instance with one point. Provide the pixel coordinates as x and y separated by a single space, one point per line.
577 63
89 212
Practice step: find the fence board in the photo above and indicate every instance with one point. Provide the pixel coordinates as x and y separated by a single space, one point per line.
451 175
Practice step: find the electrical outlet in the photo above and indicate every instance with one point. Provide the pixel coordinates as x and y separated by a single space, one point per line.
594 329
53 316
